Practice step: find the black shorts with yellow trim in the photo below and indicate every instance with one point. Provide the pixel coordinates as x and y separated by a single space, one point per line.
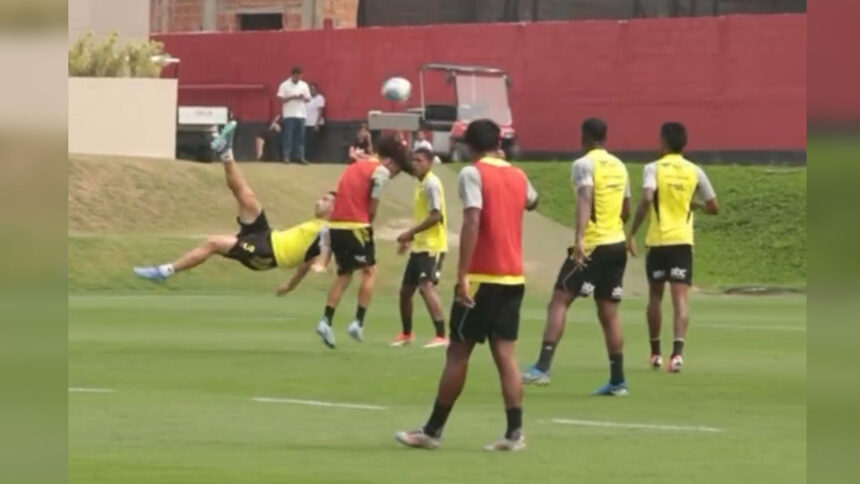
253 248
602 275
353 249
496 313
423 266
673 263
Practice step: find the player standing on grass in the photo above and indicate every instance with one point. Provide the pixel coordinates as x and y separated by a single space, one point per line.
359 189
671 188
429 238
490 284
596 262
256 246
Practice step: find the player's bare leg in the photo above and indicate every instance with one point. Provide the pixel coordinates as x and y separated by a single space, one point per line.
556 319
216 244
434 307
512 392
249 206
654 316
407 292
450 386
365 295
610 321
335 292
681 319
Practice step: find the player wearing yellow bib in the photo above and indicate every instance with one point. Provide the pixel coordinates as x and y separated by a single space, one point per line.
595 263
672 187
429 241
256 246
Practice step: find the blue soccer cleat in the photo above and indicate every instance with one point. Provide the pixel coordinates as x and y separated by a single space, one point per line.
610 390
151 273
224 141
533 376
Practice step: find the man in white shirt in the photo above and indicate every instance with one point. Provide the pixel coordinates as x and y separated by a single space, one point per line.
315 121
294 93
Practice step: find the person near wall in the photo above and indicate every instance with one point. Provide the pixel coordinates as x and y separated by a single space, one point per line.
294 93
267 143
315 122
362 147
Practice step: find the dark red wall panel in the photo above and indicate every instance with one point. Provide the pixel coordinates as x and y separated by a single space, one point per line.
738 82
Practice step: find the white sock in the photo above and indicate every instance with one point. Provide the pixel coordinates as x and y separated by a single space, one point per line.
166 270
227 155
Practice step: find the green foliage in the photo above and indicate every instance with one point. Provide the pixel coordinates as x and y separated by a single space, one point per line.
759 237
106 59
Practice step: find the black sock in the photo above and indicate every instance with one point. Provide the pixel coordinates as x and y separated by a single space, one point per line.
329 314
359 315
440 328
407 325
437 419
655 346
515 422
547 351
677 347
616 369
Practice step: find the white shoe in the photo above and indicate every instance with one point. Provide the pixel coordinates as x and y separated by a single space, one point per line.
325 332
417 439
675 364
507 445
356 331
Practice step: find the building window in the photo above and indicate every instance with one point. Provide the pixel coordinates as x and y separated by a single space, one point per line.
261 21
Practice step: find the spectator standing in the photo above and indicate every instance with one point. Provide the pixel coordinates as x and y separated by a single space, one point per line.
421 142
294 93
315 121
267 143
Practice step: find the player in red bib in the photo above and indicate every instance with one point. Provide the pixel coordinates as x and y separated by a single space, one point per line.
490 284
359 190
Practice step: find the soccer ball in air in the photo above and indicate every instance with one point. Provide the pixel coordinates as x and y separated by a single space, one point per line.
397 89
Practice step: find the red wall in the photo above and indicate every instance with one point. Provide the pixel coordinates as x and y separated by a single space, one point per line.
738 82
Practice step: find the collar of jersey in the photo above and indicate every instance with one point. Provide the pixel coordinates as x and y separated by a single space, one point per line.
492 160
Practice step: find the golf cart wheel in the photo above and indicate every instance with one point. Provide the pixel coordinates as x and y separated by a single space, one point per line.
458 153
512 151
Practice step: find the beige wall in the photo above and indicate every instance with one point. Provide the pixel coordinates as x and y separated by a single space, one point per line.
122 116
128 18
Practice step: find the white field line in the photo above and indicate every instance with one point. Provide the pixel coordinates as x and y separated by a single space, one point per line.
641 426
316 403
90 390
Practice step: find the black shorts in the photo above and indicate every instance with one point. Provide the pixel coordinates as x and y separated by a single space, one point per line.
423 266
673 263
496 313
353 249
602 276
253 249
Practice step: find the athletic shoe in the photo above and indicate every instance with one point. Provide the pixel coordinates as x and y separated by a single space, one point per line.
436 342
417 439
402 339
611 390
325 332
656 361
356 331
151 273
534 376
507 445
224 141
675 364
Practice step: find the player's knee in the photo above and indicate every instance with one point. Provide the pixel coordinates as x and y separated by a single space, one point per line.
427 288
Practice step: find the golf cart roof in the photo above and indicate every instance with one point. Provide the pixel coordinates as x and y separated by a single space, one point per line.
463 68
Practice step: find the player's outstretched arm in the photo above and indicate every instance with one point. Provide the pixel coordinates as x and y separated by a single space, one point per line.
294 281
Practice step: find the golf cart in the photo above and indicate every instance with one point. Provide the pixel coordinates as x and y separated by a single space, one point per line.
479 92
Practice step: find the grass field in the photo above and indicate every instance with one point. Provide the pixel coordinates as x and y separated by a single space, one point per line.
163 377
185 368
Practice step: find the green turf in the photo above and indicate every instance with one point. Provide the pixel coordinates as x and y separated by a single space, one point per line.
758 238
185 367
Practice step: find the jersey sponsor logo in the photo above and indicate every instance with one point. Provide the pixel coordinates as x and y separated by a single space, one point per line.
658 274
586 289
678 273
617 292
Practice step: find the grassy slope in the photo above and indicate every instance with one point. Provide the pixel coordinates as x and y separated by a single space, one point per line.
759 237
